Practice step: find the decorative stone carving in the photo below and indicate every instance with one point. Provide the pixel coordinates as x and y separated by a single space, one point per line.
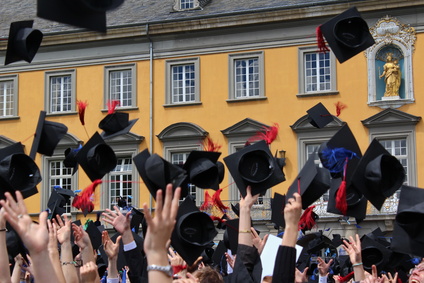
395 40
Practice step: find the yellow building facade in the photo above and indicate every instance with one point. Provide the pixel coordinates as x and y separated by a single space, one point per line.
208 73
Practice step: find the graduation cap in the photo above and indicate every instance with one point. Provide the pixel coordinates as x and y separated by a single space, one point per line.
136 219
95 234
312 181
70 160
81 13
347 34
56 204
193 232
319 116
23 42
408 232
355 200
47 135
116 124
18 171
230 237
96 158
203 169
156 173
374 253
378 174
236 209
254 166
218 256
277 210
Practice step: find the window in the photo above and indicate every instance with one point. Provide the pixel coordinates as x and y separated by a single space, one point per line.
60 92
246 76
180 158
121 180
179 140
60 176
120 184
120 86
182 78
398 148
186 4
8 96
317 72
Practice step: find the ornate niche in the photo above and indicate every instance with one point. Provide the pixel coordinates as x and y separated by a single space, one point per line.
390 82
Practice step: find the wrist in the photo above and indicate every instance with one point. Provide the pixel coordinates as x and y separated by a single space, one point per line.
157 258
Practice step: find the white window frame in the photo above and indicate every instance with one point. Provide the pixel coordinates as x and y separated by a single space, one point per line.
232 59
14 109
169 80
48 100
130 202
178 5
302 51
120 68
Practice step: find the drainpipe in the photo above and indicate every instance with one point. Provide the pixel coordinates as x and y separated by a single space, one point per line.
150 101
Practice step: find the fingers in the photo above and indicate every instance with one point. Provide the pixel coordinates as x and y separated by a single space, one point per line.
254 233
159 202
374 271
175 202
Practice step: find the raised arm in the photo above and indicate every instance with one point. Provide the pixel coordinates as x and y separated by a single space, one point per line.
4 259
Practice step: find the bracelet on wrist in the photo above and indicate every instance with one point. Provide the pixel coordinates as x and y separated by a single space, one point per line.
3 230
357 264
245 231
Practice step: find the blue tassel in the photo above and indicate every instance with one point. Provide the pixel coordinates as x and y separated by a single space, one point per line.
334 159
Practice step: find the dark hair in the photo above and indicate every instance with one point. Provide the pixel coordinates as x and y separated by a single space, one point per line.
208 275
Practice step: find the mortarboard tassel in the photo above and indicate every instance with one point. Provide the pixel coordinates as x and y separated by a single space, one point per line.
322 47
207 204
209 145
341 203
216 199
83 201
339 107
82 105
307 220
346 278
269 136
111 106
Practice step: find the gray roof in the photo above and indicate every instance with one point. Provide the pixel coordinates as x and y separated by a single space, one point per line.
133 12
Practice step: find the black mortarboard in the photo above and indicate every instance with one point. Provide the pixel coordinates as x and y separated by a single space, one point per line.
81 13
236 209
374 253
23 42
156 173
356 202
378 174
193 231
96 157
202 169
66 193
116 124
136 219
313 182
70 160
319 116
254 166
95 234
277 210
18 171
47 136
408 232
219 253
56 204
347 34
231 235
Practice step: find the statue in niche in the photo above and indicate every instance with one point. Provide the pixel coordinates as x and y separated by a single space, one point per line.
392 76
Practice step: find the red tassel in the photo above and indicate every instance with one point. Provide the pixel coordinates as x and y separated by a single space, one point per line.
341 203
207 203
178 268
320 41
209 145
346 278
213 217
307 220
111 106
269 136
81 110
339 107
217 201
84 201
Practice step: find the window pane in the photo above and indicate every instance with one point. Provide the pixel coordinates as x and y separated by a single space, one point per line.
246 73
120 87
60 93
6 98
183 83
60 176
317 71
187 4
121 182
180 158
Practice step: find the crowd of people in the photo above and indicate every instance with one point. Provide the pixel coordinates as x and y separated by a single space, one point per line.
48 255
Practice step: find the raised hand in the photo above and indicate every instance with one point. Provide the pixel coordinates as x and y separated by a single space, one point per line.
120 222
323 267
257 241
63 229
111 249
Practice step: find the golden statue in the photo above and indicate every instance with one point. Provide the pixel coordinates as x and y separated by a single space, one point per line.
392 76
